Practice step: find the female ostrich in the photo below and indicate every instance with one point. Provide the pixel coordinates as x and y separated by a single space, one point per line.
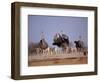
40 46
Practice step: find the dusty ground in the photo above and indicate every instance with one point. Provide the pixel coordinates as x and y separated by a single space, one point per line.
44 60
82 60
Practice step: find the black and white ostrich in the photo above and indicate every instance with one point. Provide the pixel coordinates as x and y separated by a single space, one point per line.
61 41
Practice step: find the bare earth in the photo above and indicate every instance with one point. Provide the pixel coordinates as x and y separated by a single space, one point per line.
65 59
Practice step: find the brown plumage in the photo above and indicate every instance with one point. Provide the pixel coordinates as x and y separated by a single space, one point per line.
40 45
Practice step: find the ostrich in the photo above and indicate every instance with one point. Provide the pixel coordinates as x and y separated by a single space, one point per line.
39 46
61 41
80 47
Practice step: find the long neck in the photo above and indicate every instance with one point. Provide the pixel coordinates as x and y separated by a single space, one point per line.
42 35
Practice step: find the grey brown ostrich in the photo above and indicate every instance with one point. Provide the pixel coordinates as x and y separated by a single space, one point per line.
40 46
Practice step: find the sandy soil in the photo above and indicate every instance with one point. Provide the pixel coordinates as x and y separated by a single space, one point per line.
57 60
64 61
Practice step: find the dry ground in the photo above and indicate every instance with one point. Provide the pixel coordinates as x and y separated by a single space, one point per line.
44 60
82 60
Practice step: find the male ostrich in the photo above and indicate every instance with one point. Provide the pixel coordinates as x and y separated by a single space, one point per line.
61 41
78 45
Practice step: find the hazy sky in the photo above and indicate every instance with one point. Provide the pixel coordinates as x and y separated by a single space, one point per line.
50 25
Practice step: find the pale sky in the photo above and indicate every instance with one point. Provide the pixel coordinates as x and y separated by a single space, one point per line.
50 25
